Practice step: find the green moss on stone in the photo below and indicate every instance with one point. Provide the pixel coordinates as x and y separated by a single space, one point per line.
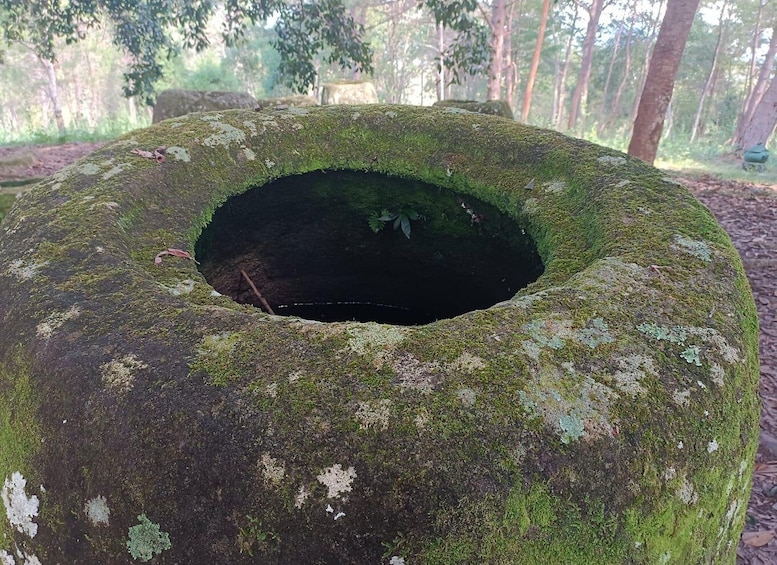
607 413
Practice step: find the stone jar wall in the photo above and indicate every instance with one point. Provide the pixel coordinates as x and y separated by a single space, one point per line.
605 413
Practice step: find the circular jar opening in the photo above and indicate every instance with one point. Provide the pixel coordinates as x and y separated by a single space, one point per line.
346 245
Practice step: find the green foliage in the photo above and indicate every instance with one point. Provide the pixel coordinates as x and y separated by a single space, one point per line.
146 539
469 53
401 219
255 537
6 201
146 30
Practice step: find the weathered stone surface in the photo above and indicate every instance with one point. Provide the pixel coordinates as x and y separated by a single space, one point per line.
283 102
491 107
605 414
176 102
349 92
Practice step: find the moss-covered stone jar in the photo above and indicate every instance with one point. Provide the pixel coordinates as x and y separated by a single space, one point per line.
576 383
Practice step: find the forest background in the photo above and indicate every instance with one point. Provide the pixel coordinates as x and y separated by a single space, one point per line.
577 66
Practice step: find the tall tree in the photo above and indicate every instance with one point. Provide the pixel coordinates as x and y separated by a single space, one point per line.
655 20
763 119
580 94
535 62
497 47
659 83
713 69
756 90
146 29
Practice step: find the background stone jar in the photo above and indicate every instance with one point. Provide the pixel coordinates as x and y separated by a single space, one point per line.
593 402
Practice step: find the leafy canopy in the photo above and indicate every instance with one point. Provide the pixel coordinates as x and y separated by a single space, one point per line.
306 31
148 30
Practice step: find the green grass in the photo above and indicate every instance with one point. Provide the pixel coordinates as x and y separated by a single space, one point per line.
6 200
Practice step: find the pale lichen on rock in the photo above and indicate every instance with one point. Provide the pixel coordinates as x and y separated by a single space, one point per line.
337 480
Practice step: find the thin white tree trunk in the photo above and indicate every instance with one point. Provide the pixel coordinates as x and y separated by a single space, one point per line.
708 83
53 94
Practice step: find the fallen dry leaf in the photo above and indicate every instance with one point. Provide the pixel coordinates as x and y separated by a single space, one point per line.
157 154
757 539
175 253
768 468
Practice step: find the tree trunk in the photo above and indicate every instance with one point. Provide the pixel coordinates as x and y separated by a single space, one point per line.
581 89
708 83
757 91
659 83
53 94
605 92
646 65
762 121
561 86
535 62
511 69
441 63
615 107
497 47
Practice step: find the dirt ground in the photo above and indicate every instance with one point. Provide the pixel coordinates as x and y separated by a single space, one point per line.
747 211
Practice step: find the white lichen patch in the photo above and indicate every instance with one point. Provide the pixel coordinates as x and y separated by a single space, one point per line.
294 376
532 349
572 403
551 332
211 117
28 559
611 160
115 170
272 390
218 344
375 340
249 154
226 135
682 397
120 373
6 558
699 249
97 511
374 414
555 186
111 205
337 480
272 470
467 362
269 164
54 321
421 419
391 114
20 510
631 371
415 375
396 560
302 495
622 183
186 286
25 270
178 153
88 169
712 446
686 493
611 275
712 336
717 374
466 396
596 333
531 206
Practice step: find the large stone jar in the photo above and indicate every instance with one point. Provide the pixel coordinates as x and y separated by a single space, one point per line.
606 412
